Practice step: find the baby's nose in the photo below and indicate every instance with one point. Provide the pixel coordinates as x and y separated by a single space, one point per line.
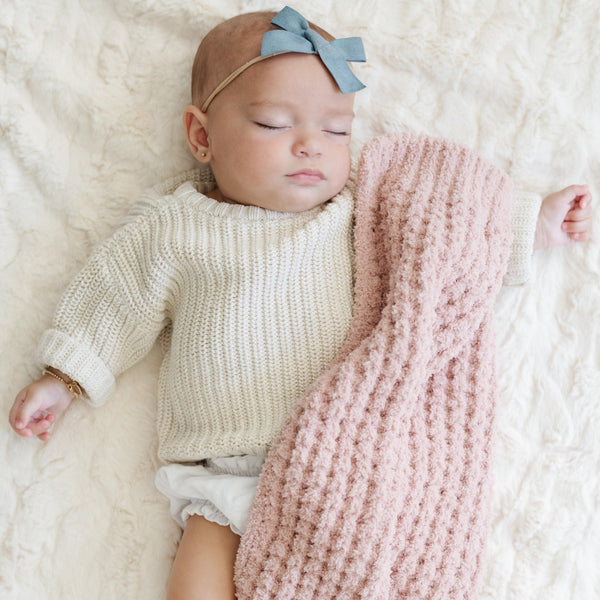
307 145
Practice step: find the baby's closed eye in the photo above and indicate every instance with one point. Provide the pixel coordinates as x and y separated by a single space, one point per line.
337 132
270 126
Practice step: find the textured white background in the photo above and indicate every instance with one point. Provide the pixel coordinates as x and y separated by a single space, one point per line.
90 100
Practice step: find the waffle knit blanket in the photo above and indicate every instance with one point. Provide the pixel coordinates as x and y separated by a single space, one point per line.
378 485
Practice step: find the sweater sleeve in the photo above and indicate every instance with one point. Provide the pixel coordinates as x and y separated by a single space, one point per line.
112 312
525 210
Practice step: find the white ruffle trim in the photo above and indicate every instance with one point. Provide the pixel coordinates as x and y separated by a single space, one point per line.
221 490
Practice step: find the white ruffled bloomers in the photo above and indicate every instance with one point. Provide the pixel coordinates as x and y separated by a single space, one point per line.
221 490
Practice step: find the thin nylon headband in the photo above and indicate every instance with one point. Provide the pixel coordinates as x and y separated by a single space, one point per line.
231 77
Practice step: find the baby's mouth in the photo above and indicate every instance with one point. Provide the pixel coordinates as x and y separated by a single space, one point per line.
307 176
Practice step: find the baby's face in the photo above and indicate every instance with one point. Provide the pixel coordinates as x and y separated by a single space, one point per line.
279 135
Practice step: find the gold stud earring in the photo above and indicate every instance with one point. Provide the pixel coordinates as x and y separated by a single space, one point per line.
203 154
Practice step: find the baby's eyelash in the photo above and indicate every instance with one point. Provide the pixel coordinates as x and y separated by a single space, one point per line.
265 126
268 127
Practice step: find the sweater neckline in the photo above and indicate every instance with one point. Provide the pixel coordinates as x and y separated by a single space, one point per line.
196 192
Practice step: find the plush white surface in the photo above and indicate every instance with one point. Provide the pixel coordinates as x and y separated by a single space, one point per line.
90 102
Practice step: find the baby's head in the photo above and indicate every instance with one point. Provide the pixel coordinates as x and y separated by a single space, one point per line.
276 129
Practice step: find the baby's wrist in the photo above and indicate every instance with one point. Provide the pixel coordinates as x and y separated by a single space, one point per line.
539 240
70 384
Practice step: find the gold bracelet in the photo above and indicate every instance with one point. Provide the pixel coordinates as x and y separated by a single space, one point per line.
72 386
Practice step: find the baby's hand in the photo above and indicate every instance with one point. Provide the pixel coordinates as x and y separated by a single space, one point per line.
36 407
564 217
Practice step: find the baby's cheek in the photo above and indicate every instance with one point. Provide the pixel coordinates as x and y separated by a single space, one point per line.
342 167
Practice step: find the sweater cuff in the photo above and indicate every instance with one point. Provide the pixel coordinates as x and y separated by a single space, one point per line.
524 216
78 362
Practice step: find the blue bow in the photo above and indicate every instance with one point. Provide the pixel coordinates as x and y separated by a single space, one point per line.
296 36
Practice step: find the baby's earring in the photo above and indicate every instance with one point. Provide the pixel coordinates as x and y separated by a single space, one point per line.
203 154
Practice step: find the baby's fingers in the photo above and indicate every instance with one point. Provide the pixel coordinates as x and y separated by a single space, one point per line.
581 210
40 426
22 413
15 417
581 193
37 426
578 231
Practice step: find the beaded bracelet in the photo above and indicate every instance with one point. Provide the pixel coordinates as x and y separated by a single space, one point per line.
72 386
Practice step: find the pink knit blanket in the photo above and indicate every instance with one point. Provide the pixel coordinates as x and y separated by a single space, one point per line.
378 485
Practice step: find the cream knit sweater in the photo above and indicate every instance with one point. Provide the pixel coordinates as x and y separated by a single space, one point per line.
252 305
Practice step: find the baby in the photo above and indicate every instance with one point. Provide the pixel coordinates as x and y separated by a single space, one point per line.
247 278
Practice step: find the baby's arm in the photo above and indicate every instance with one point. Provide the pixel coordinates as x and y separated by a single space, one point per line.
37 405
108 319
564 217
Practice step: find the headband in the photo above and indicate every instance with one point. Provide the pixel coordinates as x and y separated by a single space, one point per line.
295 35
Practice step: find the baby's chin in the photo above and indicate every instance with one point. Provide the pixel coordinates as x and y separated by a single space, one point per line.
296 201
295 204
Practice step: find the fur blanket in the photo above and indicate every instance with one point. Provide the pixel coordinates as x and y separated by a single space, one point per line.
91 96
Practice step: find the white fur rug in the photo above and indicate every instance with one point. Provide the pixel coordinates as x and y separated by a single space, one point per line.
90 100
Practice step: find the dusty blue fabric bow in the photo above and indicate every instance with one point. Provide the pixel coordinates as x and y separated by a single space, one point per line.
296 36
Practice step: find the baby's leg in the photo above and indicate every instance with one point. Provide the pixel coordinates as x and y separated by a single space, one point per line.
203 566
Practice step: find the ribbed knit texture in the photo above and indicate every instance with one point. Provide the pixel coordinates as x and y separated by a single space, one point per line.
524 216
252 304
378 486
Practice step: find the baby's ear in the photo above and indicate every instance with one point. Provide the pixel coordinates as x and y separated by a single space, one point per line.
194 123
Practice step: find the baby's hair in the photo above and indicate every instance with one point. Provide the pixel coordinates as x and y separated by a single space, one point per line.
228 46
